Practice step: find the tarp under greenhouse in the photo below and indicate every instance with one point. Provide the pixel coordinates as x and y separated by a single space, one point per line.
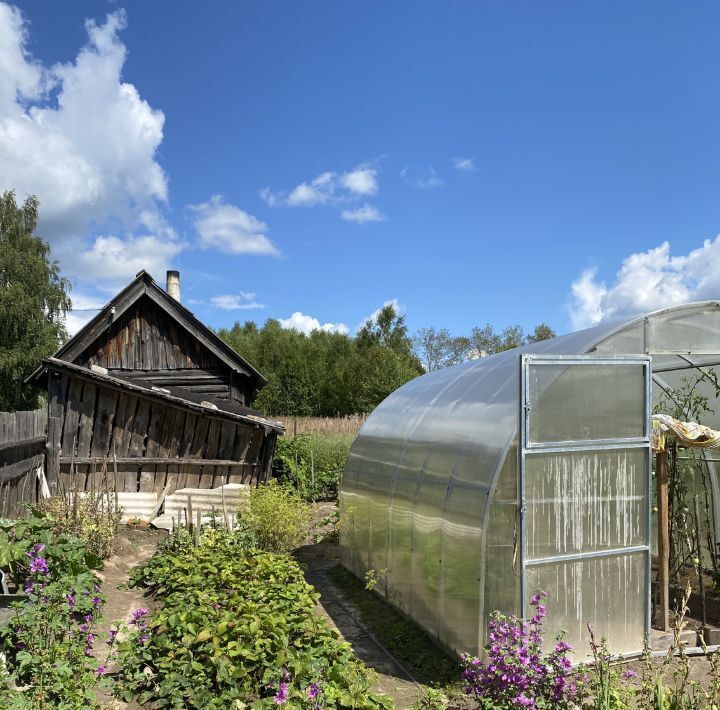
471 487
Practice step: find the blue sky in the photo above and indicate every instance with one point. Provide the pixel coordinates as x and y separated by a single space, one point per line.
477 162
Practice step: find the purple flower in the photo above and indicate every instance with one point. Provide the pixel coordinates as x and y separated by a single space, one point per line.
101 670
96 601
70 600
138 614
282 694
524 701
312 690
38 565
629 673
112 635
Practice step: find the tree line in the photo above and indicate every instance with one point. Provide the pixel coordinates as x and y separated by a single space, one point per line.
329 374
436 348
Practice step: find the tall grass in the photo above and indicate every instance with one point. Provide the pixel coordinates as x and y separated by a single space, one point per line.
333 426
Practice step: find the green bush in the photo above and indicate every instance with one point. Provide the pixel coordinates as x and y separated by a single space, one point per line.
236 631
276 517
314 463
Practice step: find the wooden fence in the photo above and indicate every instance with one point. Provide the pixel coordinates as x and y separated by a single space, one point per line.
22 446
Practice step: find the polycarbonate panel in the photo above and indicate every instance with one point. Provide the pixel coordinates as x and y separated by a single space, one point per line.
423 494
608 592
462 566
684 330
572 403
585 501
630 340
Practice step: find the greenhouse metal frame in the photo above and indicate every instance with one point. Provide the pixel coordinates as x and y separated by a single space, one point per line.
471 487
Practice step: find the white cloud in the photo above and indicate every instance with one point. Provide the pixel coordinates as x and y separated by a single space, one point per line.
361 181
88 148
366 213
317 192
328 188
242 301
464 165
230 229
424 178
647 281
306 324
116 260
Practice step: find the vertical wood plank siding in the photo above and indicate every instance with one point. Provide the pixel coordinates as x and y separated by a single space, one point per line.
146 343
92 421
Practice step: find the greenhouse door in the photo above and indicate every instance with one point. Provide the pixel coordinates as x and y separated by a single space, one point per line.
584 488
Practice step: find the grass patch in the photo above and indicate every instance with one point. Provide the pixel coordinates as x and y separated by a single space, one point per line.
404 639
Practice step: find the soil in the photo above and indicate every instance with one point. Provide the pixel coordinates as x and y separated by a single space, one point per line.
133 547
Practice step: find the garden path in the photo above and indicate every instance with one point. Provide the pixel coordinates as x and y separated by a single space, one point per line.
133 547
392 678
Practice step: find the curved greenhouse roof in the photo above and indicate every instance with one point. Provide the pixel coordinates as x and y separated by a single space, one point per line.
431 495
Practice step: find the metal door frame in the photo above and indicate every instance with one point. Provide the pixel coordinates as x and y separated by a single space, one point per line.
525 447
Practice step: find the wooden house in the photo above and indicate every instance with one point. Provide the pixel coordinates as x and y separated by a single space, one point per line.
154 397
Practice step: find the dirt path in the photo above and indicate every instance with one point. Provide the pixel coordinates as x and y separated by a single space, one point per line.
392 679
133 547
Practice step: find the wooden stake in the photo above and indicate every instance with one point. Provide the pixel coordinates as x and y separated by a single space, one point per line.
701 578
224 509
197 528
663 521
189 514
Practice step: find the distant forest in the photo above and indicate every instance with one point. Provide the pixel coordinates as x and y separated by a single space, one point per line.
329 374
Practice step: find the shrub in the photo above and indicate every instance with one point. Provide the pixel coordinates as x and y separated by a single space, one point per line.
276 517
86 518
234 629
66 554
314 463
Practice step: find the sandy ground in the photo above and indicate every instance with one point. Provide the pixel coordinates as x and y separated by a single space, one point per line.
133 547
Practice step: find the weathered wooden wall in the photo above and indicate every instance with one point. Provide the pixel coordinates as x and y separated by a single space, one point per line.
152 442
22 439
147 343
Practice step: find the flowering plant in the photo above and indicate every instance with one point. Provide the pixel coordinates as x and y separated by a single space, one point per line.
48 642
517 673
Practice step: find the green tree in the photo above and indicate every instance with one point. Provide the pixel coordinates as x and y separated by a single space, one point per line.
387 330
34 299
541 332
327 374
436 348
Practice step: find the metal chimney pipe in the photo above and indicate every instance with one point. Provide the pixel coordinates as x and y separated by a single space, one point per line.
173 284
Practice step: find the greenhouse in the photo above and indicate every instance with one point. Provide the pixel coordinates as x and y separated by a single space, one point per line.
472 487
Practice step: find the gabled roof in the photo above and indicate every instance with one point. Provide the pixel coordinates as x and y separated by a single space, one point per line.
173 396
144 285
